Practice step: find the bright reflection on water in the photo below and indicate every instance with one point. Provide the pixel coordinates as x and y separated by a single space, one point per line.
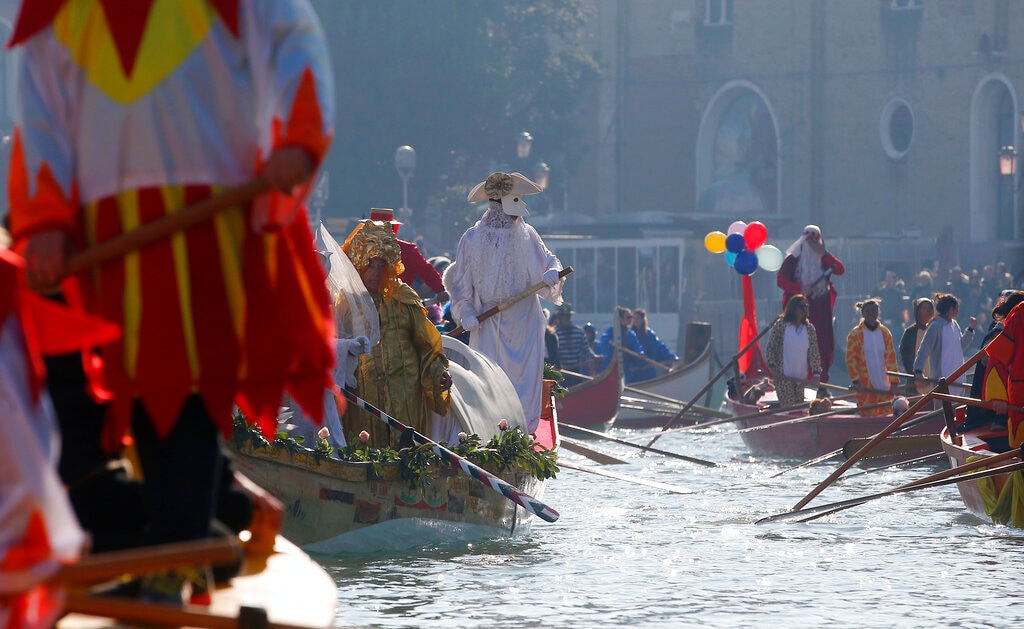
624 554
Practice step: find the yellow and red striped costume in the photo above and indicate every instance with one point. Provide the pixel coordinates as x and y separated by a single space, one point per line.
858 370
1004 374
132 109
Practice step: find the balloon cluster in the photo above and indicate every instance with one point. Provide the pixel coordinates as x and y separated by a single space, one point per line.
744 248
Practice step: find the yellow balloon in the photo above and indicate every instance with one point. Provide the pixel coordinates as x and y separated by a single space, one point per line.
715 242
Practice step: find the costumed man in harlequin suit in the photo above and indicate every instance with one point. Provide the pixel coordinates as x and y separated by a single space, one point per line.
406 374
806 269
416 266
127 113
498 258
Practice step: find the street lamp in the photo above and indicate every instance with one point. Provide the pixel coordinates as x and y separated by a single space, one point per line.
1007 161
405 163
523 143
541 174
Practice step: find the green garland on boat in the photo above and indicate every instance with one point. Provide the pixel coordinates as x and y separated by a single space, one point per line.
511 448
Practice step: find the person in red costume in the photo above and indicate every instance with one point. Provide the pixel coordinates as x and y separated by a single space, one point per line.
416 266
807 270
128 112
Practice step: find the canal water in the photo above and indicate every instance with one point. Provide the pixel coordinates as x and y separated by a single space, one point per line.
627 555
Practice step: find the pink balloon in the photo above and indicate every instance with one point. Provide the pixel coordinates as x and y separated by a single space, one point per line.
736 228
755 235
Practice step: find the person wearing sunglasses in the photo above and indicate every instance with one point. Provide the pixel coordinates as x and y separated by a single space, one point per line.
808 269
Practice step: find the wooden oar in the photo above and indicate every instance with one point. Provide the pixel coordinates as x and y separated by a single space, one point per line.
645 359
971 401
936 456
916 406
607 437
165 226
955 475
702 410
834 387
729 365
160 614
578 447
623 477
911 377
532 505
105 566
511 301
735 418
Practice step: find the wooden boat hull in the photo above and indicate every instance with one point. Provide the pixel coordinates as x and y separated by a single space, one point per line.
970 446
679 384
816 437
330 505
595 402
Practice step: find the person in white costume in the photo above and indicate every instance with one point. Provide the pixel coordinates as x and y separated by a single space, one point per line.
498 258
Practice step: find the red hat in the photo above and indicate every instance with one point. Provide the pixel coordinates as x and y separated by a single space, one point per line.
385 214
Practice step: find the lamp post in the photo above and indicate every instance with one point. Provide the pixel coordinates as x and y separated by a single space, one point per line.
541 175
405 163
524 141
1008 171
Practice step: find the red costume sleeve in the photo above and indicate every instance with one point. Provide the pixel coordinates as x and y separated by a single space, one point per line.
417 266
786 279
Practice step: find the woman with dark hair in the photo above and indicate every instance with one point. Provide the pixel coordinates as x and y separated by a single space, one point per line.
792 351
943 345
924 310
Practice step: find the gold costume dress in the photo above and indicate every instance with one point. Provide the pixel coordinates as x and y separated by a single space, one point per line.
402 374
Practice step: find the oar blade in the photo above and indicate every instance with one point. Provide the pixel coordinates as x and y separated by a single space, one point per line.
902 445
629 479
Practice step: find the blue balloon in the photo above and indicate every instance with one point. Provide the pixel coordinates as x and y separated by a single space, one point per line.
730 258
746 263
735 243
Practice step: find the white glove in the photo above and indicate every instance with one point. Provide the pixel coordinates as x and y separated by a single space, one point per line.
470 323
359 345
551 277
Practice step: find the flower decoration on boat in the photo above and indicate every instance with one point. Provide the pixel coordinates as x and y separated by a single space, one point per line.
364 436
323 433
744 247
463 437
503 425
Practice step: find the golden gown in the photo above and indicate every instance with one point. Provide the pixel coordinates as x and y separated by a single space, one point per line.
402 374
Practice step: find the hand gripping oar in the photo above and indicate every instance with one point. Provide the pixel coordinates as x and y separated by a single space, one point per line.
525 501
888 430
508 303
165 226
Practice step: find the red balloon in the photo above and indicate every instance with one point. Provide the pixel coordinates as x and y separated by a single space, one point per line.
755 235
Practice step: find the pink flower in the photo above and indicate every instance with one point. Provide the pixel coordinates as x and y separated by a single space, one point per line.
364 436
324 433
463 437
503 424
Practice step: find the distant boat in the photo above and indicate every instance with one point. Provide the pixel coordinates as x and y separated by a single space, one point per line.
815 437
594 402
681 384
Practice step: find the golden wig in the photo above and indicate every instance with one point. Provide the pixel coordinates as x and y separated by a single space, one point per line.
376 239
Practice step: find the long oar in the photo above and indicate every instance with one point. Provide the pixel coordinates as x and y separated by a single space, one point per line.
735 418
594 455
895 445
935 456
511 301
532 505
729 365
105 566
805 418
835 387
701 410
623 477
640 356
971 401
886 432
607 437
936 480
165 226
911 377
